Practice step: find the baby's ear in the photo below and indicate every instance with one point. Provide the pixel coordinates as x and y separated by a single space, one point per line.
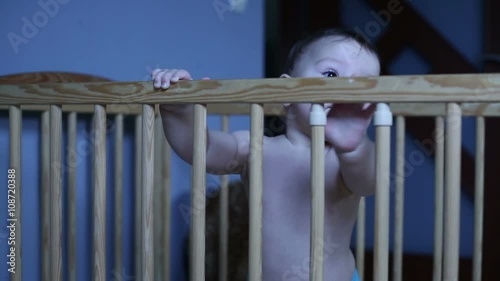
284 75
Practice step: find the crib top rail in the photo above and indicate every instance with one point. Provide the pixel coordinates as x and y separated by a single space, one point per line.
403 109
134 109
473 88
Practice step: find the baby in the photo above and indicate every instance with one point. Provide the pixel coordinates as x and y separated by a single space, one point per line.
349 158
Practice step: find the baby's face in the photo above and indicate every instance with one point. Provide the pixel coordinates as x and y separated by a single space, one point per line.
332 57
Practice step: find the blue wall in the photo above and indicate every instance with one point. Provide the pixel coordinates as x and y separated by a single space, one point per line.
120 40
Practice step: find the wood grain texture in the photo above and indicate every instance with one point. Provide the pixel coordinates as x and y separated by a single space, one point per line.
318 202
118 175
198 195
224 215
56 271
256 192
381 250
452 192
138 197
397 270
167 205
158 219
410 88
45 194
71 162
438 202
400 108
148 121
99 195
479 200
15 130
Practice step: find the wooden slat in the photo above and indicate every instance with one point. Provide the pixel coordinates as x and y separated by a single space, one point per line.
99 194
360 238
479 200
452 192
421 88
399 205
72 198
381 251
118 175
400 108
15 214
166 153
138 196
56 193
136 109
224 216
439 109
439 201
148 121
317 198
45 194
198 191
255 202
158 198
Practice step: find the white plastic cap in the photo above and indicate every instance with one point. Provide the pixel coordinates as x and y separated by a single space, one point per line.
317 117
382 115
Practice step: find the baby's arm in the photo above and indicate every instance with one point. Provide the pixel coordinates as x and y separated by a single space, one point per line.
358 168
346 132
225 151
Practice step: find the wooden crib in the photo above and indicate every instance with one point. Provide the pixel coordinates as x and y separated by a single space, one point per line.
446 97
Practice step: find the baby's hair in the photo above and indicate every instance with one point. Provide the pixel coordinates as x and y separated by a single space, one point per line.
343 33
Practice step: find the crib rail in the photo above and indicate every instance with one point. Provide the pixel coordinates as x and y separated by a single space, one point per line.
447 97
423 88
397 108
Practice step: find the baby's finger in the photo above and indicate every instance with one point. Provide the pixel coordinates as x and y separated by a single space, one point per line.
180 74
366 106
156 71
157 78
165 79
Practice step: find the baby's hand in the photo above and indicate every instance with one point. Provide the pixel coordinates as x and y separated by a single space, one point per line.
347 124
163 77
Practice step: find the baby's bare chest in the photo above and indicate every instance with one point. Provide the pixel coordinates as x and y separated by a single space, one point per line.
290 169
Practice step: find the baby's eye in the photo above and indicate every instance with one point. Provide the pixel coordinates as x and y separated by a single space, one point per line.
330 73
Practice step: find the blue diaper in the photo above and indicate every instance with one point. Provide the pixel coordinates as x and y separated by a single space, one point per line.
355 276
